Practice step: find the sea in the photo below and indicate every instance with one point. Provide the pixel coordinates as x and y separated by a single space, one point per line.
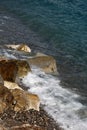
57 28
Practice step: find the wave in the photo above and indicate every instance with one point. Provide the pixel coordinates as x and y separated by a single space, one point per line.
62 104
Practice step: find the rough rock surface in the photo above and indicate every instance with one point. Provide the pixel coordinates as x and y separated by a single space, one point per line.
20 47
24 100
11 85
34 118
8 70
46 63
11 70
24 47
6 98
23 68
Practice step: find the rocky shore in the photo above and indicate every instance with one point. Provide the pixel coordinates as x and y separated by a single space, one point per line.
19 109
37 120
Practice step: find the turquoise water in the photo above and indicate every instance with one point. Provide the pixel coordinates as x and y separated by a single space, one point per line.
60 26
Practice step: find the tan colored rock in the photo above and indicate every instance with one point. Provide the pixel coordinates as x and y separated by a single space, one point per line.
34 101
46 63
24 100
6 98
11 85
2 106
10 70
20 47
24 48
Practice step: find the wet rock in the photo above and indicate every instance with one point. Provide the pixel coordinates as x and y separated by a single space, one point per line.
24 101
8 70
6 98
46 63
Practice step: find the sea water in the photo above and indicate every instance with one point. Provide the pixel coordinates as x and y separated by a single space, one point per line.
58 28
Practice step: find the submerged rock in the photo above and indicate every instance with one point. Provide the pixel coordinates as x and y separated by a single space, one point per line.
20 47
24 47
25 101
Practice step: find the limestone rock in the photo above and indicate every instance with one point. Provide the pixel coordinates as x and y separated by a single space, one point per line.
20 47
23 68
24 100
6 98
8 70
24 47
11 85
46 63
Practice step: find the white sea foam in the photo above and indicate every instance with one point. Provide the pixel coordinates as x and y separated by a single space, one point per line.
1 30
59 102
6 17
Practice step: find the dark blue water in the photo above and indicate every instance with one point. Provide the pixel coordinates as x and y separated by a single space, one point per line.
56 27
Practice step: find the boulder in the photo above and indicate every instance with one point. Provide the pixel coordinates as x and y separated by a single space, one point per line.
23 68
20 47
8 70
11 85
6 98
24 48
24 100
11 70
44 62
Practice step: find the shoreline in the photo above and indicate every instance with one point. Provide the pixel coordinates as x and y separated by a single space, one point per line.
40 119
